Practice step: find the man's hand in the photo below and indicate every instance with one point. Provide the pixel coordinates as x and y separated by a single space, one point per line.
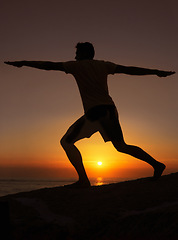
16 63
164 73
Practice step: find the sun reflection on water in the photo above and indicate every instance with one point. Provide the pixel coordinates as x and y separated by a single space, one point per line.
99 181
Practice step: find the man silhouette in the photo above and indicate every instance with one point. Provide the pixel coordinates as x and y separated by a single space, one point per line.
100 113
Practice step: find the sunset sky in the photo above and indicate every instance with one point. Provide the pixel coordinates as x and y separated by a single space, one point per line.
37 107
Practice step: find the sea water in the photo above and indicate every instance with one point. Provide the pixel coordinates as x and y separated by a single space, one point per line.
11 186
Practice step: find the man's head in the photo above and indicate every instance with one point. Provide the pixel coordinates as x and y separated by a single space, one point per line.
84 51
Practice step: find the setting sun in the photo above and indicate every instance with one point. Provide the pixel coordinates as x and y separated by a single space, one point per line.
100 163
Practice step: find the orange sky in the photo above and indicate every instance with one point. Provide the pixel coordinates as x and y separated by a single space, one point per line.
37 156
37 107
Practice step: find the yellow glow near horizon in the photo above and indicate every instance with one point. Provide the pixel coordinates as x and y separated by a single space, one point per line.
44 160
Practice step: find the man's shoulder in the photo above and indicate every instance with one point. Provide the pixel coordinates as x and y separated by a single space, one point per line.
109 66
100 61
104 62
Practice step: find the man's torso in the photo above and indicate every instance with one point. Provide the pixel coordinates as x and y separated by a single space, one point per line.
91 78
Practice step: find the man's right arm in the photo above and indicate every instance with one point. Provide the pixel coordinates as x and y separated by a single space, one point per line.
58 66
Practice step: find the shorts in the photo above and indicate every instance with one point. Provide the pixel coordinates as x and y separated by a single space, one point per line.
103 118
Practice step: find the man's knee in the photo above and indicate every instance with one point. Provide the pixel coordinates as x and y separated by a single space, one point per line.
65 142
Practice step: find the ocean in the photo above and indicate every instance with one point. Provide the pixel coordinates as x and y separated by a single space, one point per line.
11 186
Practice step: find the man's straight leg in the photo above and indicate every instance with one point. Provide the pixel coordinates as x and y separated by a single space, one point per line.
139 153
113 130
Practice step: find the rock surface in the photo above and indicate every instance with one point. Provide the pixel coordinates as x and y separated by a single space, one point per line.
134 210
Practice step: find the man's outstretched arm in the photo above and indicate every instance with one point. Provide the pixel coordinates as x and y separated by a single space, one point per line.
142 71
38 64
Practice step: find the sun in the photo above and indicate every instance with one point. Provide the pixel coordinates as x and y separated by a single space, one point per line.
99 163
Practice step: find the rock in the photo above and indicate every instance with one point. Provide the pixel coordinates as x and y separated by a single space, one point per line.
134 210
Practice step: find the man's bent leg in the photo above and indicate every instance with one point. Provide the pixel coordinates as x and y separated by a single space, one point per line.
137 152
75 158
75 133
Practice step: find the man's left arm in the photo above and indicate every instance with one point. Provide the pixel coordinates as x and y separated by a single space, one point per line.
142 71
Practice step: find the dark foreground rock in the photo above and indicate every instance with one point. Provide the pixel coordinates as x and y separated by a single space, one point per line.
133 210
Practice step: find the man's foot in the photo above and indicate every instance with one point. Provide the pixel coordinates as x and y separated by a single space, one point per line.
79 184
158 171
